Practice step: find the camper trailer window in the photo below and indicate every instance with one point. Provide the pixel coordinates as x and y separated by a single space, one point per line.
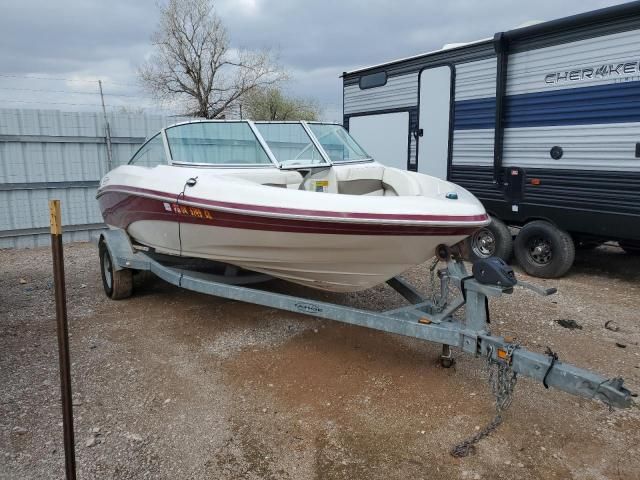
373 80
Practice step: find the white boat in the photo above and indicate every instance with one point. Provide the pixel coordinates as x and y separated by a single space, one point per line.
295 200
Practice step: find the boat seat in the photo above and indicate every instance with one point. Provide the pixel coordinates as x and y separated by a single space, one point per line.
360 180
401 182
273 177
376 180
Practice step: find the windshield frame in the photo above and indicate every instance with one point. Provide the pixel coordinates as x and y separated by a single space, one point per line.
314 142
367 159
255 132
262 142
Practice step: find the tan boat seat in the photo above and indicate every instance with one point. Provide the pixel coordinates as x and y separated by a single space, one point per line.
375 180
360 180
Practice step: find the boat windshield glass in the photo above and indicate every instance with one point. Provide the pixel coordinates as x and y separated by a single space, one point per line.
339 145
215 143
290 144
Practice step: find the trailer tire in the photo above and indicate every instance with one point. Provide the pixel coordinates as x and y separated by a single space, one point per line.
543 250
494 240
118 284
630 247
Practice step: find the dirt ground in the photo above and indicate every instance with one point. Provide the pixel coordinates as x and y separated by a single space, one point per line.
175 385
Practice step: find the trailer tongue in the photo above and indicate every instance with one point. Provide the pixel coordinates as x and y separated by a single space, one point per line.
437 319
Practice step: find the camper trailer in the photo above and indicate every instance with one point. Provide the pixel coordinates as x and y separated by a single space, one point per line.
542 123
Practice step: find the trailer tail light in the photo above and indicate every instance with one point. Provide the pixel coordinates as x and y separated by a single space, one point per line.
535 181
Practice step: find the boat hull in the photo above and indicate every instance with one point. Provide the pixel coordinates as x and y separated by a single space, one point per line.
339 256
334 262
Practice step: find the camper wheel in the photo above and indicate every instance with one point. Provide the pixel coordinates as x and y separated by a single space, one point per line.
118 284
494 240
543 250
630 247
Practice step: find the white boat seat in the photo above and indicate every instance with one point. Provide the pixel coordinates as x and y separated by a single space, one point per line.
272 177
401 182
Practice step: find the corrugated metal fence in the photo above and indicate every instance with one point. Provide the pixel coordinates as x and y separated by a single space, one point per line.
47 154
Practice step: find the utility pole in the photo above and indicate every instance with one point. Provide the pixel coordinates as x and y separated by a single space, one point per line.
107 129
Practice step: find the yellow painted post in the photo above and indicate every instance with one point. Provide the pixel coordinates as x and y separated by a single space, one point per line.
63 338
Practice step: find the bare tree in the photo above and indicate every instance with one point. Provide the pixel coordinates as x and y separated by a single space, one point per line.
271 104
195 65
130 110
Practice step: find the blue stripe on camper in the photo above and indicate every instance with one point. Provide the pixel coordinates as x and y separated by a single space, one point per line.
473 114
613 103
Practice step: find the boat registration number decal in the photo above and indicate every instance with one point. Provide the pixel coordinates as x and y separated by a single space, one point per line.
322 185
192 211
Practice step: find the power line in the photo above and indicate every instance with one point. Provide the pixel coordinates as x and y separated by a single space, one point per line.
71 92
9 75
51 103
66 103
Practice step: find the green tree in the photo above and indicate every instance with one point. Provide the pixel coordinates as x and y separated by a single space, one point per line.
272 104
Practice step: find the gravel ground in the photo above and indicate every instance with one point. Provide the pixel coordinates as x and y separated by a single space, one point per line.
171 384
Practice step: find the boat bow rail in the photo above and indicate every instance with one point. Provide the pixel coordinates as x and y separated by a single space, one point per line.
423 318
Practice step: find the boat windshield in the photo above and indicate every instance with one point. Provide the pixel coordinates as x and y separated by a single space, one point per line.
215 144
242 143
339 145
290 144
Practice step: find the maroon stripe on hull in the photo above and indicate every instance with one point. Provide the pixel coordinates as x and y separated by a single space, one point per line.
122 209
295 211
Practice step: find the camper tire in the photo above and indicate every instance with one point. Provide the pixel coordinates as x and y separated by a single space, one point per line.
118 284
630 247
543 250
494 240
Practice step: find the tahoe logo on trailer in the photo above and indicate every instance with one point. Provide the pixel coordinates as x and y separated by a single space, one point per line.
600 71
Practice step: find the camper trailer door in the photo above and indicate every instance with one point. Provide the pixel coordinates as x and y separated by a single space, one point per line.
433 130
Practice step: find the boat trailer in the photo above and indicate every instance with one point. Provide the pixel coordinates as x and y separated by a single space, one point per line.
426 319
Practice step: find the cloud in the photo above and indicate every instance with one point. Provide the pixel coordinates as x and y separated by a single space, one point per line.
316 41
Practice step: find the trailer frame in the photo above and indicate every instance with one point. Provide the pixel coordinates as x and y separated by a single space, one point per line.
421 318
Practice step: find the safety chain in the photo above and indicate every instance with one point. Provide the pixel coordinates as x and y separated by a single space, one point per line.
441 292
502 380
434 282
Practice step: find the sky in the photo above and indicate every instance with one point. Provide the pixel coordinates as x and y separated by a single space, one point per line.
52 52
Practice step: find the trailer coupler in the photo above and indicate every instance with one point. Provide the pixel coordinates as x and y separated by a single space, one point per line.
554 373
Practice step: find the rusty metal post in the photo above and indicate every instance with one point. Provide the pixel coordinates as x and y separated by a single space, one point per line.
63 338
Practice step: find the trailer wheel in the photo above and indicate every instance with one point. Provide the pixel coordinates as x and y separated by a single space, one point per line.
543 250
494 240
118 284
630 247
